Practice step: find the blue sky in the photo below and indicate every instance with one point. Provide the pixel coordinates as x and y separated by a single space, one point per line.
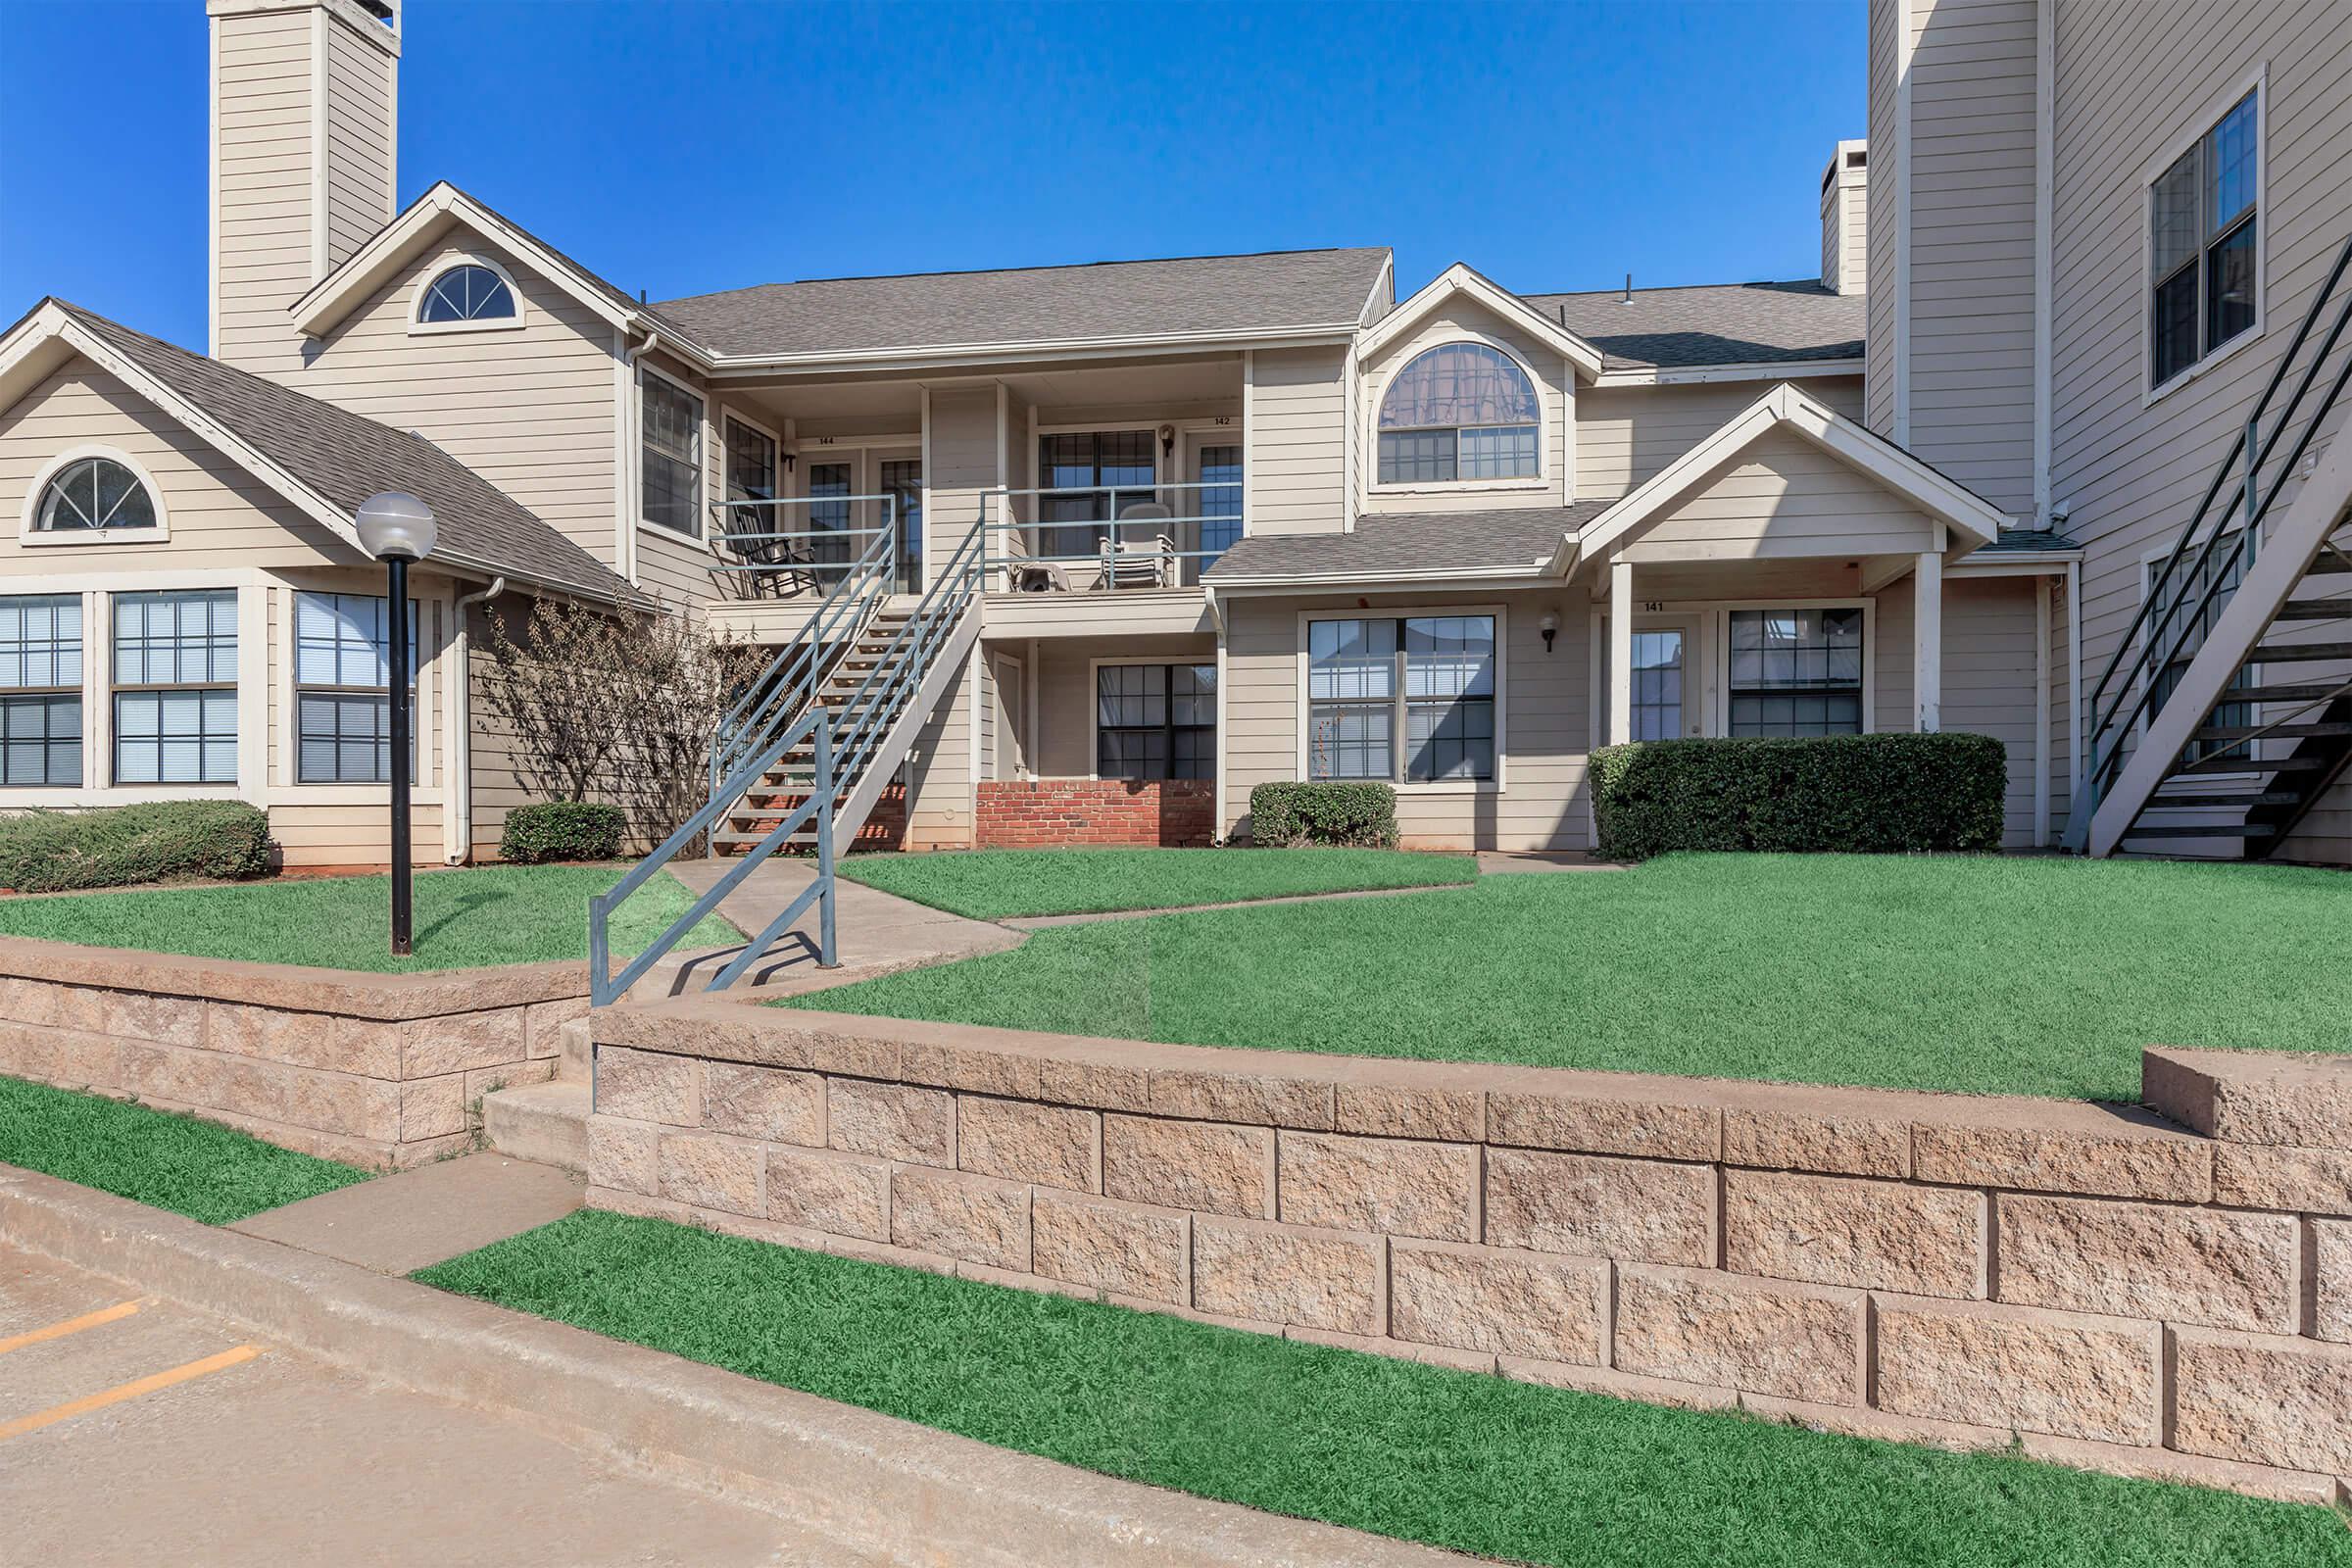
686 147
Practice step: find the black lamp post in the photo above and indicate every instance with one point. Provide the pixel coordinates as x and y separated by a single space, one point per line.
397 528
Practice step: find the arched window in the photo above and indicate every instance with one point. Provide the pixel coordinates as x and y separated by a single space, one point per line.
94 493
467 292
1460 410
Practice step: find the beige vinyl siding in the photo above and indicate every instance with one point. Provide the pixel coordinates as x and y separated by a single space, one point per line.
1546 722
359 139
1298 438
1782 497
1554 391
1626 435
530 409
963 461
1972 245
219 516
1879 193
938 772
2133 82
1845 227
1988 681
262 194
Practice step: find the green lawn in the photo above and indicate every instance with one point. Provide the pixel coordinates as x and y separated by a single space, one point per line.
1974 974
197 1168
464 919
1476 1463
991 884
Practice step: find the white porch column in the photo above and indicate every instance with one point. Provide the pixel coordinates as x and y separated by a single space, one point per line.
1620 652
1927 643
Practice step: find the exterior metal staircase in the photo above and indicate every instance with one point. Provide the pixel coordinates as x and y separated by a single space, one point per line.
2255 625
803 756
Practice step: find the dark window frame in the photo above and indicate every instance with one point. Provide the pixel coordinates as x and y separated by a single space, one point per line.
1438 453
1189 746
655 456
1403 708
1824 689
21 698
1077 526
2190 299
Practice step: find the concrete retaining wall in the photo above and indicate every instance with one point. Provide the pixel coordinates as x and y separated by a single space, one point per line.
2116 1288
380 1070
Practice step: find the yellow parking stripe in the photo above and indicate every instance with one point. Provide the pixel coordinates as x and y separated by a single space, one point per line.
71 1325
127 1390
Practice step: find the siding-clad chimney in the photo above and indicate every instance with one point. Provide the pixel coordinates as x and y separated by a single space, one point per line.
303 113
1844 205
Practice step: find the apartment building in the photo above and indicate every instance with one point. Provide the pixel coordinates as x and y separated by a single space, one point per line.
1085 552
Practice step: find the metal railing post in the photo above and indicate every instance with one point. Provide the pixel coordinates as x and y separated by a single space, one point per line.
827 958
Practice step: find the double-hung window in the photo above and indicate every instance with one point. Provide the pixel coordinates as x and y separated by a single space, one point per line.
176 687
1110 470
1796 672
752 476
1460 410
2204 244
1156 721
342 674
1408 698
40 690
671 459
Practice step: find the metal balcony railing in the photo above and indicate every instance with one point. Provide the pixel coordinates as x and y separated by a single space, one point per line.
1078 538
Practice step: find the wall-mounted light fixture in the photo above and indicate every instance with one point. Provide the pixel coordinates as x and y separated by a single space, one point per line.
1549 626
1167 440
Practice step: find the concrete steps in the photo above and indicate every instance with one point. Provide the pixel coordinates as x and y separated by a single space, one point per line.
546 1123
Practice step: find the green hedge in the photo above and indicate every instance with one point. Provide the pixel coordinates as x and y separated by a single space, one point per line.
1288 816
124 846
1838 793
562 830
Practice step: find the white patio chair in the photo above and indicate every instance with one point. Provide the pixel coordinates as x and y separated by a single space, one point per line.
1133 562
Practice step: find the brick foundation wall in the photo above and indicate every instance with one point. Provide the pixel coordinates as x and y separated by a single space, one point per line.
1110 813
384 1071
2113 1289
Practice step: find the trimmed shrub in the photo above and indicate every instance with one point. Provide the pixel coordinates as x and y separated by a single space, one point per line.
1292 815
124 846
1868 794
562 830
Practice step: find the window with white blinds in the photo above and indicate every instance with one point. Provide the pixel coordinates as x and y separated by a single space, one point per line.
342 666
40 690
176 687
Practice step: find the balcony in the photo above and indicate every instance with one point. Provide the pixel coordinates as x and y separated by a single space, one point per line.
1108 539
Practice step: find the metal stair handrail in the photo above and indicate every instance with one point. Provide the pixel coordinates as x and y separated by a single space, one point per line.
787 684
813 728
2107 730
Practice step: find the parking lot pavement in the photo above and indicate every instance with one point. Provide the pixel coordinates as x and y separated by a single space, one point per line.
133 1431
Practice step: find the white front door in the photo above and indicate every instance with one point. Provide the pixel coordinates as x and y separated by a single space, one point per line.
1666 703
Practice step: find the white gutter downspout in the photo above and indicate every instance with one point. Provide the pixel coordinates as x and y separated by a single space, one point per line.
457 822
624 526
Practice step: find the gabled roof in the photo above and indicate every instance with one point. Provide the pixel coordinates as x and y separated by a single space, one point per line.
1716 324
1194 298
1418 545
1972 519
425 222
322 459
1462 282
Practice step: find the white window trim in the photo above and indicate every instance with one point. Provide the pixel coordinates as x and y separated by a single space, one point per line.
287 788
111 684
419 327
1541 480
702 465
1093 711
34 537
2257 83
726 522
1712 659
1405 787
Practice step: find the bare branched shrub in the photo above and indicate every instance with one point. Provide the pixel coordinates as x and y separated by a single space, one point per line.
615 705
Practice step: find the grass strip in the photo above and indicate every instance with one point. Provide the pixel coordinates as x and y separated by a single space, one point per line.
1975 973
198 1168
470 918
1456 1459
993 884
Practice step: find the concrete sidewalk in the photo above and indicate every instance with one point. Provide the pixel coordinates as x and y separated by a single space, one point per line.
874 932
400 1224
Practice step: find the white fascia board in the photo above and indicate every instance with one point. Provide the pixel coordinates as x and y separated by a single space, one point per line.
427 219
314 505
1973 519
1294 582
1460 279
921 357
1707 375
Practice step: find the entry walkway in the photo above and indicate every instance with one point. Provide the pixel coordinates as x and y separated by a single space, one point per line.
875 932
140 1430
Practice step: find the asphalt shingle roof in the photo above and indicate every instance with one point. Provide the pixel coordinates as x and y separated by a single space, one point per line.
1715 324
1201 294
346 458
2028 539
1408 542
